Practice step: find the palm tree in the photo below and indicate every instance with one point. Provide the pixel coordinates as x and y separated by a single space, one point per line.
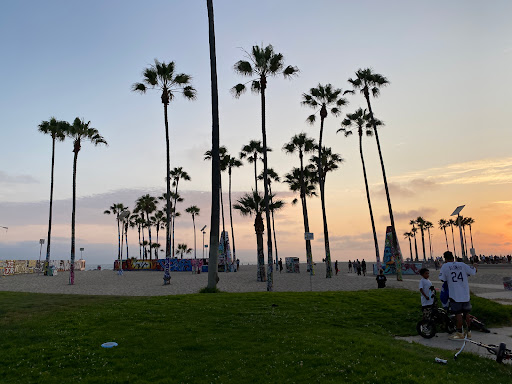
429 225
57 130
469 222
145 243
79 132
442 225
414 230
303 145
367 81
251 151
451 223
263 62
232 162
359 119
126 224
162 76
420 221
158 220
177 174
303 180
252 204
272 176
182 249
322 98
194 211
137 221
464 223
116 209
147 204
329 162
215 210
409 235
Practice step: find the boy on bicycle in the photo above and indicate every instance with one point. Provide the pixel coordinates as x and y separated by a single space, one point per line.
426 289
456 275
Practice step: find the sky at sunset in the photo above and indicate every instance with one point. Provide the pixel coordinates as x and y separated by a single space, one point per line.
446 140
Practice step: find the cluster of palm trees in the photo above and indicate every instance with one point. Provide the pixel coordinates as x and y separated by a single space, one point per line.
146 216
79 132
421 224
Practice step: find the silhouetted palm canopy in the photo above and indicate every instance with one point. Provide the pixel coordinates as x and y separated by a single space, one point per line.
330 161
359 120
300 143
324 98
293 179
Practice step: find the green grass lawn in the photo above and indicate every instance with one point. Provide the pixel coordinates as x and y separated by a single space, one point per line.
342 337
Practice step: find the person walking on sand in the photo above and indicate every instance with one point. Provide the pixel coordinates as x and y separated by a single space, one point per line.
336 267
381 279
349 266
280 265
358 266
363 267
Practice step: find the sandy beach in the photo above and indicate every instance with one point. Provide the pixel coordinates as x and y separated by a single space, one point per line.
487 283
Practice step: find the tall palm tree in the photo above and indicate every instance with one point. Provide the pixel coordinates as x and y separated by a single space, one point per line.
232 162
359 120
303 145
367 81
322 98
161 76
126 224
451 223
442 225
303 180
464 224
137 221
183 249
414 230
146 204
116 209
272 177
194 211
79 132
260 64
253 204
469 222
420 221
428 226
177 174
409 235
57 130
327 163
215 210
252 151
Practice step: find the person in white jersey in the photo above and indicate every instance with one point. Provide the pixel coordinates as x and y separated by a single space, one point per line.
456 275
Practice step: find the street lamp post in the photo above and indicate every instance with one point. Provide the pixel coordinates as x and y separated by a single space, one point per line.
203 231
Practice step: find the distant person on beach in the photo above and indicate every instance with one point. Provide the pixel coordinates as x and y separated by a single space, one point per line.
381 279
363 267
456 275
349 266
358 266
336 267
280 265
237 264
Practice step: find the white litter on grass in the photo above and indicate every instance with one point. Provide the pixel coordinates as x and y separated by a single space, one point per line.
110 344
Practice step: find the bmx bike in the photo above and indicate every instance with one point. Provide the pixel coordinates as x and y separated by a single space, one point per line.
500 351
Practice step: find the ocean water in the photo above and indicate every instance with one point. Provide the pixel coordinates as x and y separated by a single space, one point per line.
90 266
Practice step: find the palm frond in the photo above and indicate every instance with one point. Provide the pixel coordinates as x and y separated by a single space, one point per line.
238 89
311 119
244 68
139 87
290 71
182 79
256 86
189 92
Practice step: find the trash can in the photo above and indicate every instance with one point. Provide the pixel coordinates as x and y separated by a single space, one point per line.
507 283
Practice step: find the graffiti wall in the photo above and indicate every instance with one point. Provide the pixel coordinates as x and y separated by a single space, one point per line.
389 264
407 269
292 264
177 265
17 267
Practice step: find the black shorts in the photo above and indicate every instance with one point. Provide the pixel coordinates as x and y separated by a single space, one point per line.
458 308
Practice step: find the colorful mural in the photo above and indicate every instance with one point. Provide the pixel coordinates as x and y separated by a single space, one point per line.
389 264
292 264
176 265
17 267
407 269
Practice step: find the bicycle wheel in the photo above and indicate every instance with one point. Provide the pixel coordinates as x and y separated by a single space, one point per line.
426 328
501 353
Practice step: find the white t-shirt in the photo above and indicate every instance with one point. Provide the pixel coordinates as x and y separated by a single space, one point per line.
425 284
456 275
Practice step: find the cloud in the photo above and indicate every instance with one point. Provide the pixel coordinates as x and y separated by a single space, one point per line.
16 179
485 171
361 241
407 189
409 215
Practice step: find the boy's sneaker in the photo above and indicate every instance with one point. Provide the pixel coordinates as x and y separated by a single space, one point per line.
457 336
468 334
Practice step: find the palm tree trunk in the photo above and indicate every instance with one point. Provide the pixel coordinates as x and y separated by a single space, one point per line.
194 224
309 253
47 263
453 239
429 242
270 263
377 255
223 235
465 242
214 219
410 247
255 172
174 216
416 247
471 234
273 223
140 246
445 237
144 254
398 256
167 274
73 212
122 241
126 237
423 244
149 234
321 180
259 229
157 230
231 217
